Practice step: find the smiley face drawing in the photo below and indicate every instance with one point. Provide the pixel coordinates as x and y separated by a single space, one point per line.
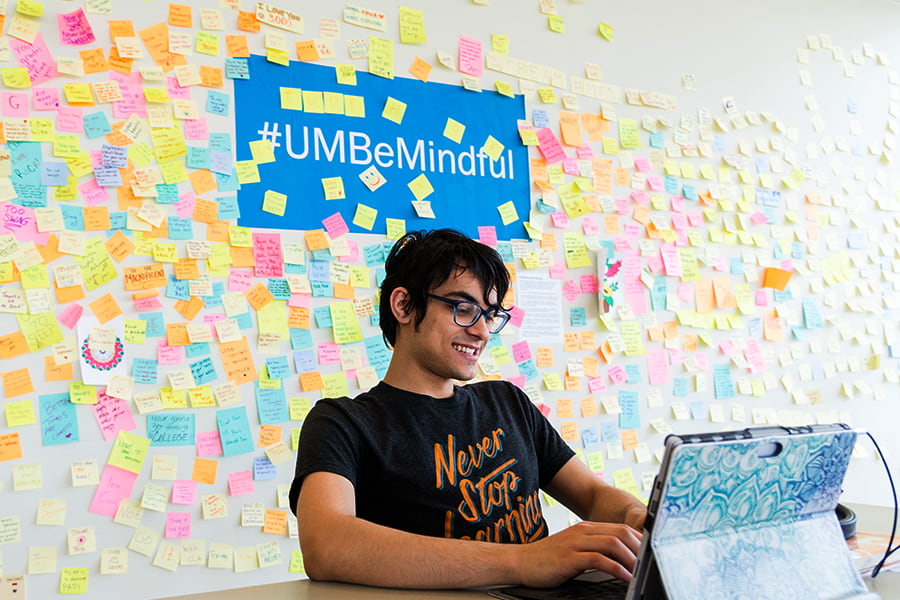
372 179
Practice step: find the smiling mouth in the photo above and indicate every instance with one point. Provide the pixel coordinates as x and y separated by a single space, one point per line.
468 350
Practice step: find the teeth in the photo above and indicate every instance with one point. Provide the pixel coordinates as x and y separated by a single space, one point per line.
464 349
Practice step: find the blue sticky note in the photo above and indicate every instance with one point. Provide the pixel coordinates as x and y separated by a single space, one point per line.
204 371
73 217
589 437
196 349
322 289
658 293
113 156
171 429
118 220
722 383
634 373
657 140
227 182
144 370
221 142
577 316
178 289
629 418
229 209
322 315
305 360
671 184
528 369
319 270
271 405
679 387
197 158
220 162
300 338
697 410
180 229
237 68
504 249
378 353
234 431
244 320
263 469
279 288
59 421
54 173
107 176
218 103
96 124
167 193
373 255
689 191
540 118
277 367
156 324
608 431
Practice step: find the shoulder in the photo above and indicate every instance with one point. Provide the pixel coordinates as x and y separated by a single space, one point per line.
500 392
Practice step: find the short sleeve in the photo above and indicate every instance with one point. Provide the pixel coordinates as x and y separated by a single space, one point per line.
328 442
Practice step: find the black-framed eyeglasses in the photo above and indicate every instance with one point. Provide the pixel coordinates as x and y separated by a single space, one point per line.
466 314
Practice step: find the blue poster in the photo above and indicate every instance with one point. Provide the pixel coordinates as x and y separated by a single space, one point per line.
311 144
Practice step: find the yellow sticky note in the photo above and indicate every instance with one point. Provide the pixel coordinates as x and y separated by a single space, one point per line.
15 77
354 106
313 102
420 187
529 137
454 130
381 57
504 88
412 26
334 188
508 212
556 24
345 74
395 228
499 43
334 103
129 451
394 110
605 31
274 203
18 413
291 98
345 323
247 171
365 216
547 95
262 151
30 8
174 171
492 147
73 580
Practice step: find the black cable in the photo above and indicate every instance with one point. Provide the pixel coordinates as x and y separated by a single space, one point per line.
889 550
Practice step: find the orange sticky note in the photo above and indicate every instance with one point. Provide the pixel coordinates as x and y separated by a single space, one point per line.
268 435
177 334
237 361
703 294
180 15
211 76
206 211
306 50
420 69
310 382
259 295
17 383
205 470
776 278
236 46
10 446
189 308
105 308
13 344
55 372
120 29
275 521
119 246
247 21
316 239
202 181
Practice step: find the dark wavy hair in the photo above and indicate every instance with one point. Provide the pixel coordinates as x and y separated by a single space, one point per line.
421 261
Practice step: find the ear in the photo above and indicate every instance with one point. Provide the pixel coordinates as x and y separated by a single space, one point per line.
400 305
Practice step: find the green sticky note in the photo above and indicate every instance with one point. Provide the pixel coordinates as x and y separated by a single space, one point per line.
345 323
605 31
73 580
297 565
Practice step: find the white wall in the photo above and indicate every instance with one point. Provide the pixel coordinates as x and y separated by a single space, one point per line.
744 51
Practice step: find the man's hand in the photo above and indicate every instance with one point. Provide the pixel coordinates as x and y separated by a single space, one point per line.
609 547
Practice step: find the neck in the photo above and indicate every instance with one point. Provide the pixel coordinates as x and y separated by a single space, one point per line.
402 374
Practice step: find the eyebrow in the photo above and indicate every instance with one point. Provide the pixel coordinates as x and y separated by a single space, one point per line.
471 298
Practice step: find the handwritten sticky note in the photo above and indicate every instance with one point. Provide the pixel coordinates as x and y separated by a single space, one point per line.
420 187
470 56
274 202
412 26
345 323
394 110
454 130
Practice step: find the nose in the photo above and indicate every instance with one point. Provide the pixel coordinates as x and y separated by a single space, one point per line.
480 328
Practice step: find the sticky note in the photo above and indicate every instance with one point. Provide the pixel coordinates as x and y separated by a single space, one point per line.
420 187
454 130
334 188
394 110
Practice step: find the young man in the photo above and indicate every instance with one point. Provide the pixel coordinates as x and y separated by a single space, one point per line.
421 483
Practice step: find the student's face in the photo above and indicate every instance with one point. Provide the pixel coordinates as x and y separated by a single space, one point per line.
442 349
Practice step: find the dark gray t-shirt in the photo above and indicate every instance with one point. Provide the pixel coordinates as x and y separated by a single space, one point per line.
469 466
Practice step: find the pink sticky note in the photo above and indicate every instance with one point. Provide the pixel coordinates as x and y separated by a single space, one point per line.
145 304
487 235
240 482
329 353
239 280
184 491
521 351
516 316
596 385
558 270
36 58
70 119
267 255
676 357
169 355
45 98
178 525
549 146
677 204
74 29
335 225
762 298
353 257
176 92
570 166
113 415
300 300
657 367
519 381
617 374
545 410
559 219
20 222
208 443
758 217
184 208
570 291
470 61
14 104
93 193
195 129
589 225
70 315
115 485
588 283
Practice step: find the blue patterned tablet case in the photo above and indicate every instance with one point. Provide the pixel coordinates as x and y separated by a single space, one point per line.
734 525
